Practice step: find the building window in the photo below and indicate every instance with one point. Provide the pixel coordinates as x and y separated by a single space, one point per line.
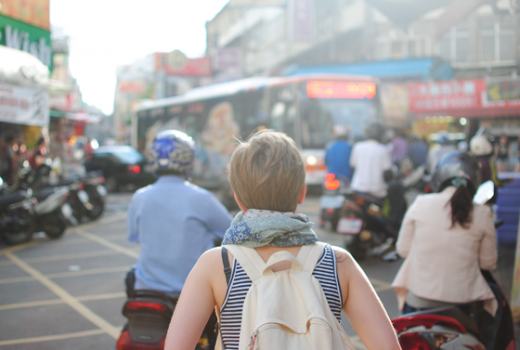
455 45
497 40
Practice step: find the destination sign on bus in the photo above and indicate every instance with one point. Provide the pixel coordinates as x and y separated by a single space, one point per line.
341 89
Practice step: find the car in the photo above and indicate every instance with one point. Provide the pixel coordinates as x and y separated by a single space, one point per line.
122 167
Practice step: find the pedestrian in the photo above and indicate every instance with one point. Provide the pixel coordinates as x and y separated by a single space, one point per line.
417 151
502 154
443 146
267 174
446 240
39 153
337 156
399 147
7 159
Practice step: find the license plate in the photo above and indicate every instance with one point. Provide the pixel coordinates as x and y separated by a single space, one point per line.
350 226
83 196
66 210
332 202
102 190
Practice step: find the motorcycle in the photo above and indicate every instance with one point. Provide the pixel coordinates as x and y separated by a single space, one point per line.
52 212
16 215
451 327
87 197
149 313
334 191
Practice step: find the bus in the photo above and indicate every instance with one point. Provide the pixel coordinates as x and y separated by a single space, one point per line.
306 108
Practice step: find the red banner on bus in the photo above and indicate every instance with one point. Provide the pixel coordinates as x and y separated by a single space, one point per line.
341 89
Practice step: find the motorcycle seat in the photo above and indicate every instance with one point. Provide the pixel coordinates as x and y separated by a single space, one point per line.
43 193
12 198
454 312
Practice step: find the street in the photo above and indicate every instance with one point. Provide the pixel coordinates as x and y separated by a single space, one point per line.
68 294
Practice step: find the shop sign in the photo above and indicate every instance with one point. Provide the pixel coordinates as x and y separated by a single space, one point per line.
21 36
24 106
446 95
35 12
228 57
301 20
175 63
503 89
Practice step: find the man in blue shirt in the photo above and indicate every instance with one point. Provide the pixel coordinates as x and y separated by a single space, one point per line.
337 157
173 220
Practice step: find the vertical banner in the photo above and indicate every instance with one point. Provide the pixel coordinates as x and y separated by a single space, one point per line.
301 21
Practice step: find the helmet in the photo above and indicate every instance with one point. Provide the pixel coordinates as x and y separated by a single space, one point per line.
375 131
481 146
341 131
442 137
456 164
173 150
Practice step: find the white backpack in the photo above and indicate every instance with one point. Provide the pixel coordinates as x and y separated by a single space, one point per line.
287 310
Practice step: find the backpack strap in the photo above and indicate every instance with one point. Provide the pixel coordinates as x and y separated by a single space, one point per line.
225 261
249 259
310 254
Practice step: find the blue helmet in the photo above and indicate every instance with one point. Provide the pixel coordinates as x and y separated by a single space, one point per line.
173 150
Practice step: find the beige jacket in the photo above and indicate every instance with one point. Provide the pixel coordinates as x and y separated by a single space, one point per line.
443 263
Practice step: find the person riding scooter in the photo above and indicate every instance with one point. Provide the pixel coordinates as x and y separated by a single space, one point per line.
446 240
337 157
173 220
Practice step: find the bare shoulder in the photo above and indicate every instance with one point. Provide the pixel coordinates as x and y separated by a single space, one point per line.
211 257
342 256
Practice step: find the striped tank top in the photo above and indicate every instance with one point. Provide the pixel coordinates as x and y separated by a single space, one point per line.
240 283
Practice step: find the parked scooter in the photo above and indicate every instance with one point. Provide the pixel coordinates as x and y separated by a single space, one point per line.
16 215
452 328
52 212
87 197
149 313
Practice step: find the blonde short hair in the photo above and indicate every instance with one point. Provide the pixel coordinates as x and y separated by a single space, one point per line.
267 172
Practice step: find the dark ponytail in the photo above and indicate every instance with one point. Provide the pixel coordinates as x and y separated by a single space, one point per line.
461 202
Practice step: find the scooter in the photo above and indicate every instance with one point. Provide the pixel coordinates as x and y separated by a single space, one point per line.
52 212
149 313
450 327
87 197
16 215
335 188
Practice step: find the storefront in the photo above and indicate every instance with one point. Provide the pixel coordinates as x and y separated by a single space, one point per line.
462 106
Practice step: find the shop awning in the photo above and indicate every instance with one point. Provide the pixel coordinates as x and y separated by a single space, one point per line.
22 69
81 117
418 69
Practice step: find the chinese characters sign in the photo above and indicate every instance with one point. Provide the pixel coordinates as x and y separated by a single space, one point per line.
446 95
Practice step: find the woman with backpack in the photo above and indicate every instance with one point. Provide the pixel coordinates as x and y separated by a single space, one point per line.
274 286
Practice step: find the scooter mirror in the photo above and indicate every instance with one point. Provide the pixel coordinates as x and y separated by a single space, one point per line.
485 192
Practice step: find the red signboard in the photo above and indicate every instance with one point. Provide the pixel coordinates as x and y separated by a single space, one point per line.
341 89
188 67
459 98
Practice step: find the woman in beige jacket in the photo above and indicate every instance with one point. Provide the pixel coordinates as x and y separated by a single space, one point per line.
446 240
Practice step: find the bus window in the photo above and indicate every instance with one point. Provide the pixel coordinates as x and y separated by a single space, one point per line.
316 125
277 113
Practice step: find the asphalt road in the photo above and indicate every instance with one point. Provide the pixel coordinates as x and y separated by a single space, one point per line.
68 293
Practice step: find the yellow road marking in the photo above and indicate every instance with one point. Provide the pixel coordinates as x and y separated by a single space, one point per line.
31 304
88 272
379 285
18 247
16 279
59 301
70 256
108 244
66 297
51 337
102 221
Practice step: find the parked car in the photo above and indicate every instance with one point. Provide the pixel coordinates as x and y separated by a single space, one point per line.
122 167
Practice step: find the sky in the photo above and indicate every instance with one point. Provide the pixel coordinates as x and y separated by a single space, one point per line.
105 34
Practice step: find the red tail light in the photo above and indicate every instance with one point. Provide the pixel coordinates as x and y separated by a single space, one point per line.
359 201
330 211
413 341
136 169
80 186
428 321
331 183
135 305
126 343
101 180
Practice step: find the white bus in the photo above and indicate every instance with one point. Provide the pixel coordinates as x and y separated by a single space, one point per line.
304 107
